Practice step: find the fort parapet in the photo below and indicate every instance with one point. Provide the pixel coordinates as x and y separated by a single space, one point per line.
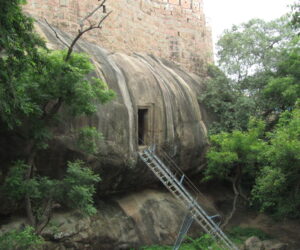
172 29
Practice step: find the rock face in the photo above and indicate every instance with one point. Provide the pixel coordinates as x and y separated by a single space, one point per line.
144 218
172 29
254 243
156 103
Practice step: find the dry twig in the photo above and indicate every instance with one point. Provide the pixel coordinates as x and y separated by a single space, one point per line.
83 30
57 36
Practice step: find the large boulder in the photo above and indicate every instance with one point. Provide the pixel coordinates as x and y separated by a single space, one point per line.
144 218
156 103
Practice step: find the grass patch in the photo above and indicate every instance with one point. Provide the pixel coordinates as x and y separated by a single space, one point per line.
239 234
203 243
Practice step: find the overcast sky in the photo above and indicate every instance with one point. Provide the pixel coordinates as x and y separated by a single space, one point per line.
222 14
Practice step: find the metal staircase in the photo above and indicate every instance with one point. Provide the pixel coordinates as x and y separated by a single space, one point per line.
176 182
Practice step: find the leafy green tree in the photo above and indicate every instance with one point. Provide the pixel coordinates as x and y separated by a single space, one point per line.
277 187
252 55
88 140
231 108
234 157
260 61
35 83
75 191
295 13
283 87
48 86
18 49
23 239
253 47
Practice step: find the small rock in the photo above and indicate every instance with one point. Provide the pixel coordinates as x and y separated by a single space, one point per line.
278 246
269 243
253 243
274 245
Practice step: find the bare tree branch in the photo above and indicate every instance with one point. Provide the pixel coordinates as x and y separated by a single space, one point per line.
90 14
103 19
57 36
81 32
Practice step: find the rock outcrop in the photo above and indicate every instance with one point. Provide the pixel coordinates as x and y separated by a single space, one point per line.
156 102
254 243
143 218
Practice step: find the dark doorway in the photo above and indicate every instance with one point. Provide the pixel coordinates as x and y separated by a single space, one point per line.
142 125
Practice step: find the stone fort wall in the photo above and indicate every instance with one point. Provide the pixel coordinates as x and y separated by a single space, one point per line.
172 29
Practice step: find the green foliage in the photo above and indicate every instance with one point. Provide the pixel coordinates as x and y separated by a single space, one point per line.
32 95
283 88
18 50
39 189
202 243
260 63
14 182
88 140
270 169
76 190
35 83
295 14
237 149
67 80
53 81
261 78
277 186
79 187
240 234
231 108
23 239
254 46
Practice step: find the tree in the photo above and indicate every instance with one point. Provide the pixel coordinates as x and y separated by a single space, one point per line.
75 191
250 55
32 98
283 88
277 187
295 13
22 239
234 157
260 77
253 47
18 50
260 61
232 109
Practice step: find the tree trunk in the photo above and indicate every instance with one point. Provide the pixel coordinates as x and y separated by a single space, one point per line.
236 195
30 162
235 184
45 218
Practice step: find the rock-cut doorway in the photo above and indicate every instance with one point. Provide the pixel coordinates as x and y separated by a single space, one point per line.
143 120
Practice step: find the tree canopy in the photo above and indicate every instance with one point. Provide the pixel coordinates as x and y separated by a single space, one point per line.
35 83
255 92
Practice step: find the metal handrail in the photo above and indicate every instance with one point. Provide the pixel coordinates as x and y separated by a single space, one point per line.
200 215
177 170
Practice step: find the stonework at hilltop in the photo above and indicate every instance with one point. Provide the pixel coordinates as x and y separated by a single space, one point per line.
175 30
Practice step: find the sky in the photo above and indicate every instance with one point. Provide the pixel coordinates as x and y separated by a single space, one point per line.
222 14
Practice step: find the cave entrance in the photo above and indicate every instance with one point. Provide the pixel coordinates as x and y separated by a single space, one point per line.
142 125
